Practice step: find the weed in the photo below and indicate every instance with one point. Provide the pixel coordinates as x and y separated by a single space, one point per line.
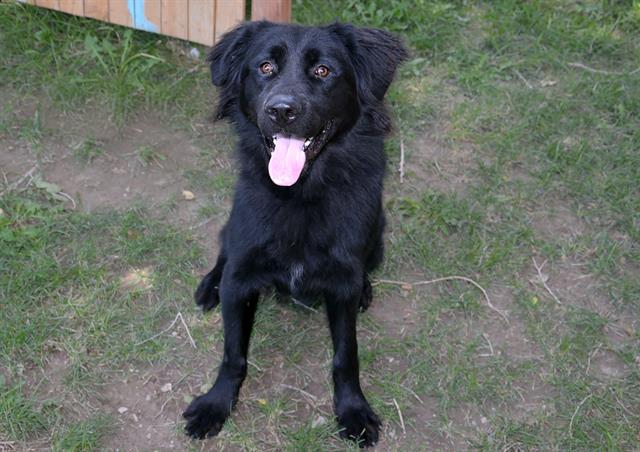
148 155
89 150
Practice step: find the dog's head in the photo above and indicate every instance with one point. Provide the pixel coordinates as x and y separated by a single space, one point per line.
303 86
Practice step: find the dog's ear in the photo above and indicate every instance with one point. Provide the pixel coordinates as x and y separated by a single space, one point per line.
375 55
226 59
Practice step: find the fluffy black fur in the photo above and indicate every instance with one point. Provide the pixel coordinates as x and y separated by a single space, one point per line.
321 236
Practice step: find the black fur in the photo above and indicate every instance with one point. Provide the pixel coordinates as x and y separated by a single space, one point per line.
321 236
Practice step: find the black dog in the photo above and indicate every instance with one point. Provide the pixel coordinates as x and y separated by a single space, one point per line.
307 104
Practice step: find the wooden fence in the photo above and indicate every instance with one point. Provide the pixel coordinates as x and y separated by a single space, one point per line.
202 21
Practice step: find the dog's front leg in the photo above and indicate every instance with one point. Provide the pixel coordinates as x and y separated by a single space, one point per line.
353 412
207 413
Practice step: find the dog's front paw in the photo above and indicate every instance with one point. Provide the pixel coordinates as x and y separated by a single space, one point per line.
207 295
205 417
360 424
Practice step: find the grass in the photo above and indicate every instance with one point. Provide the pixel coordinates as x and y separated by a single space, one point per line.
89 150
520 123
77 62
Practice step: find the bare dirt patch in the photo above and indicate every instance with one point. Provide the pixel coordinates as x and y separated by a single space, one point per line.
433 162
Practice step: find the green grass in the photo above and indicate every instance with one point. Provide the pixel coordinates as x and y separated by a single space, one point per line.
82 436
20 418
89 150
76 62
535 103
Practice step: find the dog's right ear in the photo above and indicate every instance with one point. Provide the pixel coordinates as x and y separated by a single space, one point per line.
226 59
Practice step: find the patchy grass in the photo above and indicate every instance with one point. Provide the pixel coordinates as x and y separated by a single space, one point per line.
519 124
76 61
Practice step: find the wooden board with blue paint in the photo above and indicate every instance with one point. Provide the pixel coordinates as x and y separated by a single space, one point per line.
202 21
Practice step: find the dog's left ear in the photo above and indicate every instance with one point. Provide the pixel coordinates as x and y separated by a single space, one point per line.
375 55
378 55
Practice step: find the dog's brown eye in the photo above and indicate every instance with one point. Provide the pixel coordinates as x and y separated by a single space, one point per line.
322 71
266 68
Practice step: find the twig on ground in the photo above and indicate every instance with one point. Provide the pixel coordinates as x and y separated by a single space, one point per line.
19 181
410 391
404 430
484 355
600 71
178 317
576 412
302 391
63 194
163 405
591 355
446 278
304 306
401 169
202 223
542 279
521 77
7 445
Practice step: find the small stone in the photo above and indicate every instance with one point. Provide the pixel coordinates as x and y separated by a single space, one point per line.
135 418
123 409
166 387
188 195
483 420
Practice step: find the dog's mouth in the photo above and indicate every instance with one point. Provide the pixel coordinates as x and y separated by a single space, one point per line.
290 156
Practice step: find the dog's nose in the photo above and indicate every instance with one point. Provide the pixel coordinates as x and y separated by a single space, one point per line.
282 110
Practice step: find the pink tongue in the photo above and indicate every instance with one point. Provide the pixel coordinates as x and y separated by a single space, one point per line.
287 161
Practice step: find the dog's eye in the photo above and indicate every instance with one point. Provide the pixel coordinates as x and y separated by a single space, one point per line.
322 71
266 68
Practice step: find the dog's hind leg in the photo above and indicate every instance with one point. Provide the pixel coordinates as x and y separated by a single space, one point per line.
207 295
207 413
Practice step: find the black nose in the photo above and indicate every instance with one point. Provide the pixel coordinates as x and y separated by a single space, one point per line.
282 109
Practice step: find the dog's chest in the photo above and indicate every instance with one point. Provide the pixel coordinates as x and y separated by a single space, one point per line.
296 273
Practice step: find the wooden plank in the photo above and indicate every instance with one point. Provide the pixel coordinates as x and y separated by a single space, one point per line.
72 7
97 9
175 19
149 15
228 14
51 4
274 10
119 12
201 21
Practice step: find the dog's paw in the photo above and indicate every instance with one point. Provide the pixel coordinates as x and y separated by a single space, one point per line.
205 417
367 296
360 424
207 295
